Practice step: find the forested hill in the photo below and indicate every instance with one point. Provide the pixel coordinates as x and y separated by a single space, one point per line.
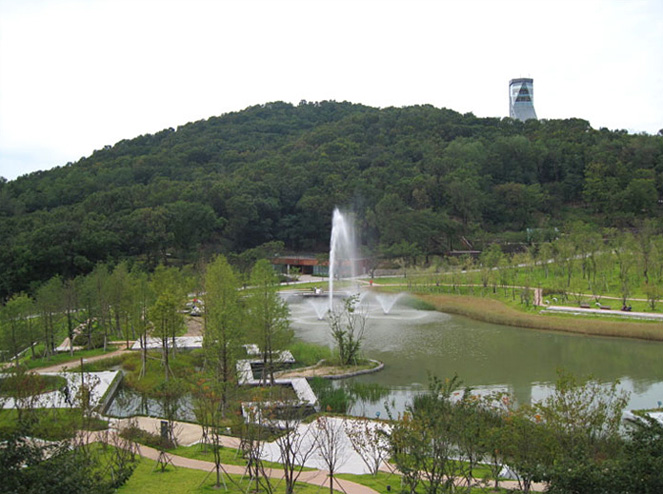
419 178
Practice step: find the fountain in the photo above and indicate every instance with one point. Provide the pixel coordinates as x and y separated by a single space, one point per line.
342 252
387 301
320 307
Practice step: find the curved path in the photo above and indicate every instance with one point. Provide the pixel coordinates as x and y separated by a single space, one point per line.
314 477
75 362
188 434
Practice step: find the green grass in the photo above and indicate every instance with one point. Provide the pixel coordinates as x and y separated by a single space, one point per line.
497 312
30 383
147 479
182 365
52 424
307 354
380 482
229 456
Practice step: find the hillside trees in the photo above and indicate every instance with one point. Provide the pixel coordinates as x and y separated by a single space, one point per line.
276 171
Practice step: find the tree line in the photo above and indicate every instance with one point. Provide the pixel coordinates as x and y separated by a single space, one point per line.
420 179
573 440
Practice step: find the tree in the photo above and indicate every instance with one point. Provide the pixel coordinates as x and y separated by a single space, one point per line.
223 319
329 437
348 326
489 260
120 298
581 421
422 440
268 314
641 466
48 302
17 325
295 447
207 396
142 298
166 320
370 440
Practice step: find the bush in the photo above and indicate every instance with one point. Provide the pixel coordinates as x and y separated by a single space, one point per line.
97 340
138 435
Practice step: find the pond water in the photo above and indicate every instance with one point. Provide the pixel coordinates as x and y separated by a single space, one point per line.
127 403
413 343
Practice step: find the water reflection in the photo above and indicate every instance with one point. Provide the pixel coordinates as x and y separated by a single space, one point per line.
128 403
490 357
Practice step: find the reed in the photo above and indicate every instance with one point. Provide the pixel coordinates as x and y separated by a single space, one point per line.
496 312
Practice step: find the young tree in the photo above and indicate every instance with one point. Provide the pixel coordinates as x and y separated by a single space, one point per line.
120 299
70 307
16 325
295 448
268 315
422 441
48 301
207 396
489 260
623 247
348 326
142 297
329 437
99 287
223 318
166 320
169 281
370 440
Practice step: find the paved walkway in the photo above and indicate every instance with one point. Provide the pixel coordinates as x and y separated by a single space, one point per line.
314 477
604 312
189 434
76 362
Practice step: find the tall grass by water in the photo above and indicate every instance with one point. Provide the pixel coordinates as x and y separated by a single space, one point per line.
496 312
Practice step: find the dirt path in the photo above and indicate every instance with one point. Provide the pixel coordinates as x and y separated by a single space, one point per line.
75 362
194 326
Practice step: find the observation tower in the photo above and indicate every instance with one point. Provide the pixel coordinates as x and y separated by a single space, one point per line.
521 99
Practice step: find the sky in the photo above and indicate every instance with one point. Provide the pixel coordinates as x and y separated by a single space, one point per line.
78 75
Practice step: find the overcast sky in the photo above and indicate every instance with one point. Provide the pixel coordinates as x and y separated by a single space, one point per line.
78 75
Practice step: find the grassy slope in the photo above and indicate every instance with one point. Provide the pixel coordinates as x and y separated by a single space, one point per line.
493 311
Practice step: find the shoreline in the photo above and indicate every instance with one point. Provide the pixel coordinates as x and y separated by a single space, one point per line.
493 311
310 371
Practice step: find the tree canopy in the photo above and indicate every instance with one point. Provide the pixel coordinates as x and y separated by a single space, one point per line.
418 176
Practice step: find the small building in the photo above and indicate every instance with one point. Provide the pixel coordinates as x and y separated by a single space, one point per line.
316 265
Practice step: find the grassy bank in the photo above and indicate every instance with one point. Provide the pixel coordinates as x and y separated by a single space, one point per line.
493 311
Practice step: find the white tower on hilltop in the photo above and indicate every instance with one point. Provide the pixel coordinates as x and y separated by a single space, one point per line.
521 99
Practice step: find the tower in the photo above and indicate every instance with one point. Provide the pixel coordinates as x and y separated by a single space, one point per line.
521 99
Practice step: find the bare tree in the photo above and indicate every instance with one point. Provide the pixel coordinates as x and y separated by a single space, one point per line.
329 436
253 436
295 447
370 440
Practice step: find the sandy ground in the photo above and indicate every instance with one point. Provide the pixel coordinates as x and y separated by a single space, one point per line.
194 326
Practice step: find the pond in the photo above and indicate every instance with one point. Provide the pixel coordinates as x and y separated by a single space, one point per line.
413 343
127 403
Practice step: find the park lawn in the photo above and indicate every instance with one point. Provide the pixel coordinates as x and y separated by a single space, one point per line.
391 482
147 479
50 423
229 456
12 385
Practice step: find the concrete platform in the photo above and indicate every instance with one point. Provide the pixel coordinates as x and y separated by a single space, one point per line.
100 383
